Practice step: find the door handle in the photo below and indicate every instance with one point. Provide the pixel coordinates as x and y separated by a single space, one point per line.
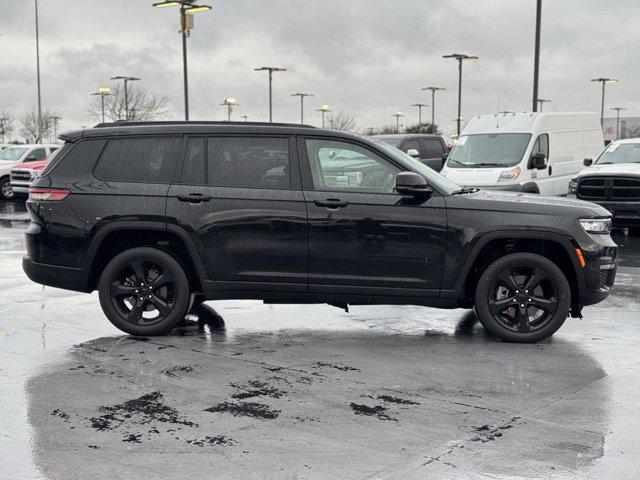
331 203
194 198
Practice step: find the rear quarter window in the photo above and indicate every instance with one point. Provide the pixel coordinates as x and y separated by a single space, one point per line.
75 159
151 159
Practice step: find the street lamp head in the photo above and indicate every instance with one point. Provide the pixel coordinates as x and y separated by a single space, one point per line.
618 109
397 114
104 89
323 108
302 94
167 4
461 56
272 69
229 101
129 79
604 80
197 8
419 105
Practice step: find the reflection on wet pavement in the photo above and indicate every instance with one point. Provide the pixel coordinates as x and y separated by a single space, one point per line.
247 390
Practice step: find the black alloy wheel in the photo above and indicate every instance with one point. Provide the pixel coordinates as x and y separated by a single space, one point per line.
144 291
522 297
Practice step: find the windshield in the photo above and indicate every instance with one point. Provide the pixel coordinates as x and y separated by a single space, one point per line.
620 153
433 178
12 153
489 150
393 141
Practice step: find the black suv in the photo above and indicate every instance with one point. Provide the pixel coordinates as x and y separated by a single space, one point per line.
430 149
161 216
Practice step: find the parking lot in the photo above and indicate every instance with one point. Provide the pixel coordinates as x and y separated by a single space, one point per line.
246 390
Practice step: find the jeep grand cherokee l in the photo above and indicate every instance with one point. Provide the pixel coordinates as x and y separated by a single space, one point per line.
160 216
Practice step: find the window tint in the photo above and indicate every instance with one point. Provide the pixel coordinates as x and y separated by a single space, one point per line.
541 145
250 162
337 165
432 148
75 159
411 144
150 159
37 154
193 167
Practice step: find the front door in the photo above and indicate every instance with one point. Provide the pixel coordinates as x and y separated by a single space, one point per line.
239 198
364 238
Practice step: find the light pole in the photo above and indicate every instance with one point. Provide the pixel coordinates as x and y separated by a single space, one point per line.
126 92
302 95
187 9
536 56
618 109
603 81
38 75
270 70
542 101
460 58
230 103
433 101
419 105
245 117
102 92
2 130
323 109
397 115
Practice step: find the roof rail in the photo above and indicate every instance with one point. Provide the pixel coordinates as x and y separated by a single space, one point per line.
196 122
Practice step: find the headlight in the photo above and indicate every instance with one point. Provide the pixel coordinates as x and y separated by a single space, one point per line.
573 185
509 174
600 226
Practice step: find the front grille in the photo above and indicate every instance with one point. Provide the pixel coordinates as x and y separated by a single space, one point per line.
20 176
609 188
607 277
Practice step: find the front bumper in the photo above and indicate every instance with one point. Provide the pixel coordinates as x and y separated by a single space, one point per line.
598 274
20 187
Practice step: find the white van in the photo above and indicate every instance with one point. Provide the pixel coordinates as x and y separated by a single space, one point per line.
525 152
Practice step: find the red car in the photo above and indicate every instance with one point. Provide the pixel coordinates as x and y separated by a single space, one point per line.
26 172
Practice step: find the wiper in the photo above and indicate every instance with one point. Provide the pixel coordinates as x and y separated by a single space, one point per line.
464 190
487 164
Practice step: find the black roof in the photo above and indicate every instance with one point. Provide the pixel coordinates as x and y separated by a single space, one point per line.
407 135
195 127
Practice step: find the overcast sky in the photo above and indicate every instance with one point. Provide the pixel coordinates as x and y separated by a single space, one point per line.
368 57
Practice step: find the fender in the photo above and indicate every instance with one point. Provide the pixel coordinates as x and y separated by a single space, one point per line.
145 225
483 239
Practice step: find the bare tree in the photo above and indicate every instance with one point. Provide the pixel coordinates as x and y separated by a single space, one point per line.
423 128
7 118
29 124
345 121
387 129
143 105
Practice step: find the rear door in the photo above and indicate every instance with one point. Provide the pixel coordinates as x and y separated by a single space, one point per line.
239 199
365 238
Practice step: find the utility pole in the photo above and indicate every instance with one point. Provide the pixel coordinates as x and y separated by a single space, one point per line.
397 115
55 126
102 92
270 70
618 109
126 92
433 101
541 101
603 81
419 105
536 58
38 75
302 95
323 109
460 58
230 103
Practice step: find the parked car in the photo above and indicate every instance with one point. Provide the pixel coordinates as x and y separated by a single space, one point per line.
160 216
431 150
24 173
613 181
15 154
524 152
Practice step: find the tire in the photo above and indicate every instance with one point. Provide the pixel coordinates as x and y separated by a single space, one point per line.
143 281
5 189
503 290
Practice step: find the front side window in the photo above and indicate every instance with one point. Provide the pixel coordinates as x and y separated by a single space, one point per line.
541 145
411 145
337 165
489 150
248 162
151 159
432 148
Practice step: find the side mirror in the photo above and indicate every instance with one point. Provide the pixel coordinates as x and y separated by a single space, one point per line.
410 183
412 152
587 162
30 159
538 161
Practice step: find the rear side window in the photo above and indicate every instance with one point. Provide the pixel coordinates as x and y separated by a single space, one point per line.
250 162
193 171
75 159
151 159
432 148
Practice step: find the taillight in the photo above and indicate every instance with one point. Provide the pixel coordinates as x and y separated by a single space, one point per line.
48 194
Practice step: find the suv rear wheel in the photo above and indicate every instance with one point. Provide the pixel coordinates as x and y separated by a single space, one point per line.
144 291
522 297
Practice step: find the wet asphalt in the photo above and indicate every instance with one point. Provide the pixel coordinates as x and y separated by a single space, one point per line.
246 390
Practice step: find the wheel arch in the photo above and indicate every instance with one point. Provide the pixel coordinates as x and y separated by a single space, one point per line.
119 236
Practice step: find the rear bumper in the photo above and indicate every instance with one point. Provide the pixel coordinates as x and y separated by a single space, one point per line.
56 276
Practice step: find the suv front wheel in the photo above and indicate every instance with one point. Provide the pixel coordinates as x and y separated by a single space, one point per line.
144 291
522 297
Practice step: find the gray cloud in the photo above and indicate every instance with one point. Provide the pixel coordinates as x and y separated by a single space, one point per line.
370 57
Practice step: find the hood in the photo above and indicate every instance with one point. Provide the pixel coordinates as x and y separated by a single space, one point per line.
620 169
37 165
474 176
531 203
